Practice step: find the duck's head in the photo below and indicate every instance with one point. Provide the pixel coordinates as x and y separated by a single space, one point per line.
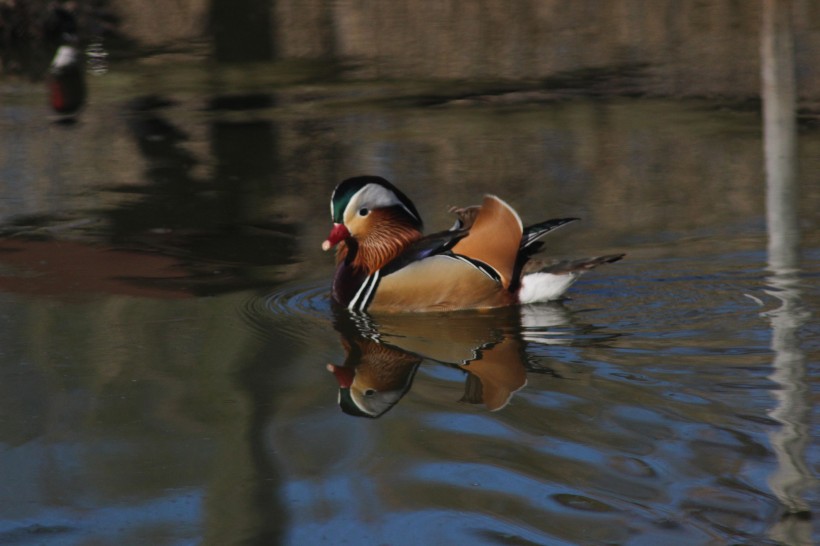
358 395
359 206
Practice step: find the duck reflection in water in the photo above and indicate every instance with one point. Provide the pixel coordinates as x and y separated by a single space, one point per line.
66 81
383 353
66 75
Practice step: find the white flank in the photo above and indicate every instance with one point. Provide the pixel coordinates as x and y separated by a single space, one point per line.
537 287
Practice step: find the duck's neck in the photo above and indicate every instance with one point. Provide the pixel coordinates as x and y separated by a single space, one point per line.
347 280
359 258
380 247
375 249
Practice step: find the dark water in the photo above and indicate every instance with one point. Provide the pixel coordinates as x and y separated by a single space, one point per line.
167 334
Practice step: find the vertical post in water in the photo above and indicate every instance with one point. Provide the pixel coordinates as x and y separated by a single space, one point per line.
780 133
793 398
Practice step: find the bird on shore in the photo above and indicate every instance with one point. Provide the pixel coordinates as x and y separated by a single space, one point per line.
386 264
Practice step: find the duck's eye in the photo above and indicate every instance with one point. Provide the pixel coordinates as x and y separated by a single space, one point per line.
364 211
369 392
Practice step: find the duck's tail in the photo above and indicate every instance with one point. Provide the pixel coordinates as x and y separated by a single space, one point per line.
549 282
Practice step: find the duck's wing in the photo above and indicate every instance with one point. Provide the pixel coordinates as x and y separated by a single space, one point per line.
494 238
536 231
429 276
427 246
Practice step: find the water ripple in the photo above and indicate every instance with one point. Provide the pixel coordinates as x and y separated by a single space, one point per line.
290 309
308 299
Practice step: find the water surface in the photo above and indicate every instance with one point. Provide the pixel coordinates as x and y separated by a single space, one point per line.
166 329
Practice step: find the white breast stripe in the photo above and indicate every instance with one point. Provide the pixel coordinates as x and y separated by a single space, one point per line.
363 296
362 288
370 291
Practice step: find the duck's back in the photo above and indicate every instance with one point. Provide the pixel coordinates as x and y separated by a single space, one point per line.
476 273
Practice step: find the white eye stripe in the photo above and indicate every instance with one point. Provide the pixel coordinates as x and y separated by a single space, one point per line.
374 196
332 203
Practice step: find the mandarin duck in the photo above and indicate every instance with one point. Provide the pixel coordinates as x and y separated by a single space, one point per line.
386 264
66 75
66 80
